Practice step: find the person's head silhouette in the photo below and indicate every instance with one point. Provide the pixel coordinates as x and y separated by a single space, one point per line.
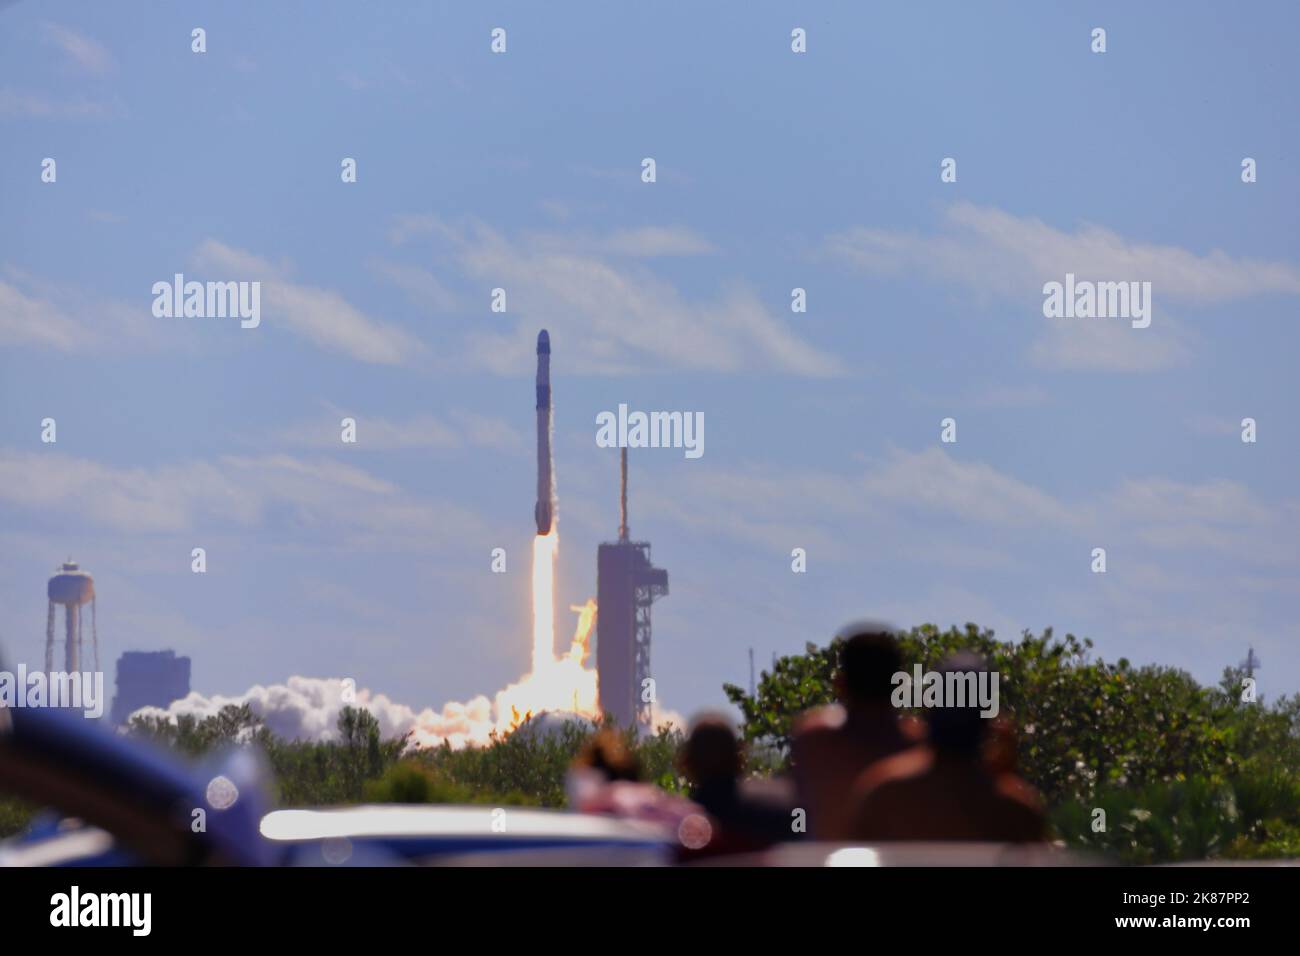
958 730
869 659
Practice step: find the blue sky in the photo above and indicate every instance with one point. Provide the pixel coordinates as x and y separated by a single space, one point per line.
522 171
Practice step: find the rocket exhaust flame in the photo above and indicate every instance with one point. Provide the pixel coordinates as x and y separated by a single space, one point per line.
545 549
556 684
582 638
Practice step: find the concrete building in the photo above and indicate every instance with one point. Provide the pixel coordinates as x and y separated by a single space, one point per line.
149 679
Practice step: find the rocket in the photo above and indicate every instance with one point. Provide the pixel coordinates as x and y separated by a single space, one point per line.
545 509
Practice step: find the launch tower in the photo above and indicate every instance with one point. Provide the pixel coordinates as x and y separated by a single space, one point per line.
626 585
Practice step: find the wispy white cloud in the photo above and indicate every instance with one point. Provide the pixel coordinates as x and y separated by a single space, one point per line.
25 320
1215 425
934 482
640 242
891 504
902 497
1219 517
1010 396
408 226
613 316
326 502
1001 256
1106 345
29 105
486 431
558 209
644 243
322 316
458 429
630 175
383 75
421 286
768 508
354 81
83 52
989 249
37 313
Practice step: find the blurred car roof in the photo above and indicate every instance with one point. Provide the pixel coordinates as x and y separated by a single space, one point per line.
911 854
460 835
148 799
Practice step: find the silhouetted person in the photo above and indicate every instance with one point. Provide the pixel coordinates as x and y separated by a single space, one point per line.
746 817
605 778
1000 745
948 790
607 754
831 746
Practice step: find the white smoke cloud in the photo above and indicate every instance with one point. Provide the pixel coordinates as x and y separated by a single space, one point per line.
665 716
307 708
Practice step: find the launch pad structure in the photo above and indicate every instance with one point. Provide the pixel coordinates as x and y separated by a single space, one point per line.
627 584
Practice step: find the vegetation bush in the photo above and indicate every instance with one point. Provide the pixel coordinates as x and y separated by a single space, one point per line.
1182 771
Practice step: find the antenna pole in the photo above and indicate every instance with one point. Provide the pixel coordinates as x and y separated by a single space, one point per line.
622 495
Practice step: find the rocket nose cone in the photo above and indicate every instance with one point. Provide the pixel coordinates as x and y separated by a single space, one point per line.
543 343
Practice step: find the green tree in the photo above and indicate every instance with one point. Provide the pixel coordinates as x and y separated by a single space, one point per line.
1183 771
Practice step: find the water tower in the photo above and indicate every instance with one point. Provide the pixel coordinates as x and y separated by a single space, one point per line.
72 588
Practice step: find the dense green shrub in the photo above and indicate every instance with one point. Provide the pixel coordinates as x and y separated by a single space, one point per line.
534 764
1182 771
